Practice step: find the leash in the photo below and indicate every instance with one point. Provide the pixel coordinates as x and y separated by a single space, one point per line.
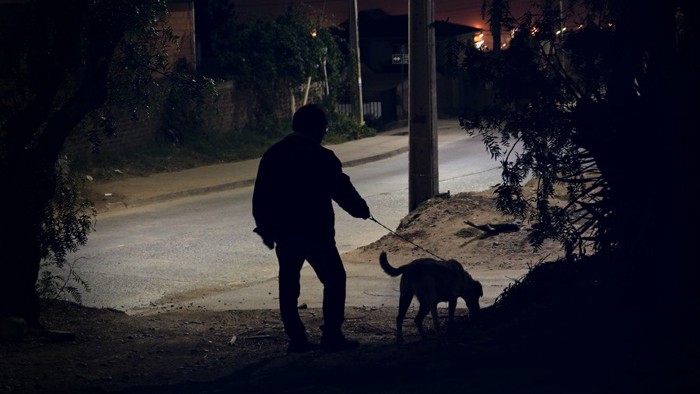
406 240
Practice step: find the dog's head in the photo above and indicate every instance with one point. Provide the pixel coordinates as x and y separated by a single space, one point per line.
472 292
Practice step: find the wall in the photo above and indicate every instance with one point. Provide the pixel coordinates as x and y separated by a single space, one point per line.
230 111
181 20
235 109
130 133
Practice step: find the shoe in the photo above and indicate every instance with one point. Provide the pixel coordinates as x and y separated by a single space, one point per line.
301 347
338 343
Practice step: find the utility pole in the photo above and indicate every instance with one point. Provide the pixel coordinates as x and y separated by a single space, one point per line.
422 114
355 73
495 24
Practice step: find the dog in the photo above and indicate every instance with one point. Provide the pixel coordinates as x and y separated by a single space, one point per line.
432 281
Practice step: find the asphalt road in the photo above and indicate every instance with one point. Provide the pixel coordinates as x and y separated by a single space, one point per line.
204 244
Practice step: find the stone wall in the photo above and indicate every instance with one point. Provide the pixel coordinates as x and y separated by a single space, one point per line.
229 112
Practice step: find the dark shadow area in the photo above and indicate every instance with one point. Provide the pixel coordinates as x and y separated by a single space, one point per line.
567 327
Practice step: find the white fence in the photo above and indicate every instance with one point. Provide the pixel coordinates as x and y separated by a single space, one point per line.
371 109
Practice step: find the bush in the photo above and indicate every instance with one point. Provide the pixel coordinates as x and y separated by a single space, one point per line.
68 220
342 128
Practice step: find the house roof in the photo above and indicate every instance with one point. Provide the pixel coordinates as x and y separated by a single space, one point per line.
377 23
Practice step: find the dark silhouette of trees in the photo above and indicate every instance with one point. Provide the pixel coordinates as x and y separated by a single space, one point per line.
66 66
268 55
600 109
603 112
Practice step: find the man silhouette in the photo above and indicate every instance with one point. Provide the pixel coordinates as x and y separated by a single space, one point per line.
292 205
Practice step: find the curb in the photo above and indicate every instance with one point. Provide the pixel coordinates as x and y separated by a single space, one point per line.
381 156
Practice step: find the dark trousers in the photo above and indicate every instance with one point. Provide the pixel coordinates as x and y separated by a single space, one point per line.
325 260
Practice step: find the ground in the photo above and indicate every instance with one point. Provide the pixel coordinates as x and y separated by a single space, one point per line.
194 350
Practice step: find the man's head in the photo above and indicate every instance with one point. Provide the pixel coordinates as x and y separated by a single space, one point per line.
311 121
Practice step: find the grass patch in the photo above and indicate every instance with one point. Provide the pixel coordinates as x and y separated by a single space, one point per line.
194 150
200 149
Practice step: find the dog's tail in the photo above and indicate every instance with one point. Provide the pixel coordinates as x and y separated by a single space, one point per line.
384 263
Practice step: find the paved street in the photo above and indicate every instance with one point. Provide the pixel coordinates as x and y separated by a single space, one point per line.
200 248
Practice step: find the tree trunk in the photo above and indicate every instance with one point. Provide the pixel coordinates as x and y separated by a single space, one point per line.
22 206
28 172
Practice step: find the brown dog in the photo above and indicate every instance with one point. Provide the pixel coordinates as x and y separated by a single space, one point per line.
432 281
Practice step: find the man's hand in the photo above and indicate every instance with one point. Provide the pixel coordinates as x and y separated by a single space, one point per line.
366 214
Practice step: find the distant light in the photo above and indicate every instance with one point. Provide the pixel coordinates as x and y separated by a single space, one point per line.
479 41
314 33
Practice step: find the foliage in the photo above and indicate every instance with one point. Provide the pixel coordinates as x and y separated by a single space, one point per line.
264 53
184 106
54 285
67 67
201 148
342 128
145 83
68 221
68 218
575 110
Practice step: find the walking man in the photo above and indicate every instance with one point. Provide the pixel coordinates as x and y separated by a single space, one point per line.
292 205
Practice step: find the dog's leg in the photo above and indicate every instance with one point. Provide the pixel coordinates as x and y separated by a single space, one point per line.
404 302
436 320
452 306
422 313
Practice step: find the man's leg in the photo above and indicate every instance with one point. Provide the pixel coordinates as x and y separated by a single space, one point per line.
325 260
290 261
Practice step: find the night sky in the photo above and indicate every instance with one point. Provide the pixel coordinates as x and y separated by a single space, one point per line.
465 12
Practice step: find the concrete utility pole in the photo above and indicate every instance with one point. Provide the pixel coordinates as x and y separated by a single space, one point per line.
422 114
356 73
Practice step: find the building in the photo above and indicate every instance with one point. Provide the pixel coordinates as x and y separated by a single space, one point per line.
181 21
383 41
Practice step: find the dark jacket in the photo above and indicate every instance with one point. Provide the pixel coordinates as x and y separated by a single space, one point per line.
296 183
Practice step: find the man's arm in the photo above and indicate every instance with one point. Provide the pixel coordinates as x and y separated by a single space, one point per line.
344 192
263 204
